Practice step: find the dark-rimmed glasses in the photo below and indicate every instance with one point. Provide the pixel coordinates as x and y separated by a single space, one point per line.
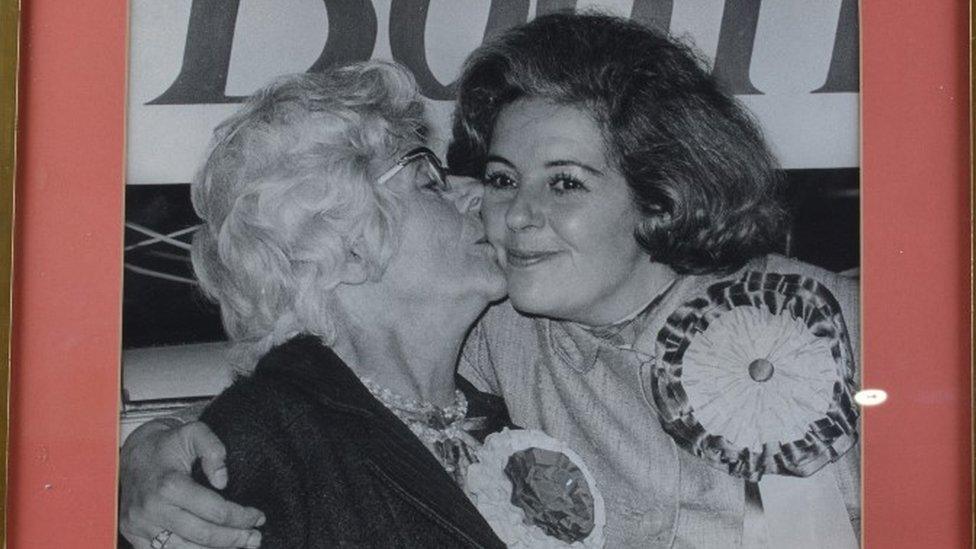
436 167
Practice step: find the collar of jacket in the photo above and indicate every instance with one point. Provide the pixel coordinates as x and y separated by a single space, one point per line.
305 362
317 370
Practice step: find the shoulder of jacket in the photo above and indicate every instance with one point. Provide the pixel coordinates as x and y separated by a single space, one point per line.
834 281
260 402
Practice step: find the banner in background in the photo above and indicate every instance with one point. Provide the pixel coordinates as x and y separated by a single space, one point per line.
793 63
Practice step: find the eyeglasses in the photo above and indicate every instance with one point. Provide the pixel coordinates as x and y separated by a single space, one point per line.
437 169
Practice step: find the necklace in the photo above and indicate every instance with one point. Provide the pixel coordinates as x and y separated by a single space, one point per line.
441 429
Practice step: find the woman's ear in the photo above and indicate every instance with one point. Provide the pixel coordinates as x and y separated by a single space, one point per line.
354 269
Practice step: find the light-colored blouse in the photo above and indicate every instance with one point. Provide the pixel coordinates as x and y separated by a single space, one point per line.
590 392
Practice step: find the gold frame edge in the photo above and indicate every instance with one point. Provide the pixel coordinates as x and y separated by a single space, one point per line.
9 72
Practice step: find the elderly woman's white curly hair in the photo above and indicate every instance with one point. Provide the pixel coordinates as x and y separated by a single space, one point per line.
286 192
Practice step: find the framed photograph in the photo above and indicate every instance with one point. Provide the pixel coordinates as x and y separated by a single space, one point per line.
865 106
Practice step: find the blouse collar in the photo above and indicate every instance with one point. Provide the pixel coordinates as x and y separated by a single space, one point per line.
579 346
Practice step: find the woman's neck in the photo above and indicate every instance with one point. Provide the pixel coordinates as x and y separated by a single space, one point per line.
413 355
646 285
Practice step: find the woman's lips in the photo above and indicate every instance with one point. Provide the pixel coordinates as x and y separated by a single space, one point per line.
526 258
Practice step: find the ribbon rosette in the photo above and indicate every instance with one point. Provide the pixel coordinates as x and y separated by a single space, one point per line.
757 376
536 492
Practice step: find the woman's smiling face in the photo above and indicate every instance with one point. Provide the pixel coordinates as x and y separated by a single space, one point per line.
561 217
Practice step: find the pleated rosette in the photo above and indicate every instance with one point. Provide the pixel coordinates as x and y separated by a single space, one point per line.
536 492
757 376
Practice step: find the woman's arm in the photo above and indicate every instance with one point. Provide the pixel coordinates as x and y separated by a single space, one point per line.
262 466
848 473
156 491
848 468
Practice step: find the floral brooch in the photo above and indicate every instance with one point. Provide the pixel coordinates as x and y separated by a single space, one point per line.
757 376
536 492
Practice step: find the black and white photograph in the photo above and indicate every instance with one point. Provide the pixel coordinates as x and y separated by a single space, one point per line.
507 273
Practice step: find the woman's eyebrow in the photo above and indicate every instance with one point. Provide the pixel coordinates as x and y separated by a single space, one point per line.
500 160
550 164
581 165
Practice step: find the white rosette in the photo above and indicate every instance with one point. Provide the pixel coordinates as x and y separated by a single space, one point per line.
491 491
754 410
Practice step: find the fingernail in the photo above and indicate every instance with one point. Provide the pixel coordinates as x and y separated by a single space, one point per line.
220 478
253 540
261 520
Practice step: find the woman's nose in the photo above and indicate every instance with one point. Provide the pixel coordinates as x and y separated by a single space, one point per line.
525 211
469 193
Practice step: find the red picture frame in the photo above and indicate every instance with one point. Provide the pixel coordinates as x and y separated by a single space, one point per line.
916 248
916 285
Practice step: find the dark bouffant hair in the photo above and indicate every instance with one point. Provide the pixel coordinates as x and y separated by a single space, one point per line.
697 165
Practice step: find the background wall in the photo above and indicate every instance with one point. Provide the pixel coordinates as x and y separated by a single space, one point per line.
793 63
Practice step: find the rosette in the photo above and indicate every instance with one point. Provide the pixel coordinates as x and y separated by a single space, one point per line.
536 492
757 376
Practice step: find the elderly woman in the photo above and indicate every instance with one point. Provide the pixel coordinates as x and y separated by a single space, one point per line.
348 269
633 207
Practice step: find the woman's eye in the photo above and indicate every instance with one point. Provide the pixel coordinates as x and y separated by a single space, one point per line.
437 185
567 183
498 181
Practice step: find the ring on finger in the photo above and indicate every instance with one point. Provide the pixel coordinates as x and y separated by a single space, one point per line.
160 540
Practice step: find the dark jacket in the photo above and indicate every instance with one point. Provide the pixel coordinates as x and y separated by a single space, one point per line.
330 466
